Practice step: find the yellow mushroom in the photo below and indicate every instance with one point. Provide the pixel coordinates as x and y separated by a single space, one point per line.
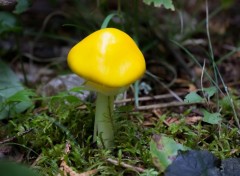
109 61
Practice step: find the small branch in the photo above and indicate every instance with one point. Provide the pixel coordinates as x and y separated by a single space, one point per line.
147 98
166 105
134 168
14 137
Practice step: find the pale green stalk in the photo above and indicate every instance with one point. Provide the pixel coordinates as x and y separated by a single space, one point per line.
103 126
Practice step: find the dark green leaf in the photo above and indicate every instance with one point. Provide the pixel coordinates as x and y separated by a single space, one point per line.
231 167
158 3
22 95
12 169
193 163
13 97
22 6
8 22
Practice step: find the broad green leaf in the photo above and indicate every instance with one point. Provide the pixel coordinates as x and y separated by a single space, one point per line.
231 166
8 22
210 91
193 97
13 169
164 150
158 3
22 95
193 162
22 6
212 118
13 97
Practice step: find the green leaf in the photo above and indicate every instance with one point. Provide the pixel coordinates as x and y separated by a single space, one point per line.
158 3
212 118
164 150
22 95
231 166
193 97
13 97
10 168
8 22
210 91
192 163
149 172
22 6
107 20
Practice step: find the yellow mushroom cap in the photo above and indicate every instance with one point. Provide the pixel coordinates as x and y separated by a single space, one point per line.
107 58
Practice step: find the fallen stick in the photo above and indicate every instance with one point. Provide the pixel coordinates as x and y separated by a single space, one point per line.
14 137
134 168
147 98
166 105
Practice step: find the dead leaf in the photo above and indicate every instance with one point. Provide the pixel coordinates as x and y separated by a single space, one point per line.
171 120
193 119
68 171
185 83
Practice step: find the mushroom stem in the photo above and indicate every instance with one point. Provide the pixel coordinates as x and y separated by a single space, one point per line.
103 126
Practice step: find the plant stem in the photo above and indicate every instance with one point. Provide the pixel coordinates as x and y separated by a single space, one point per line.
103 126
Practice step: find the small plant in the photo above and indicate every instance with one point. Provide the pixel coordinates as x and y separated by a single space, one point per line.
193 97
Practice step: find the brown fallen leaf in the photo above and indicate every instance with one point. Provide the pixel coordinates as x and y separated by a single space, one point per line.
171 120
193 119
188 120
68 171
148 123
185 83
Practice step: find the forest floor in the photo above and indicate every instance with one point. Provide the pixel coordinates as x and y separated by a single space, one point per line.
184 119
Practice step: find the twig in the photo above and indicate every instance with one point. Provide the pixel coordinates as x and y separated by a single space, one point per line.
134 168
38 59
147 98
158 115
14 137
36 160
166 105
156 78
